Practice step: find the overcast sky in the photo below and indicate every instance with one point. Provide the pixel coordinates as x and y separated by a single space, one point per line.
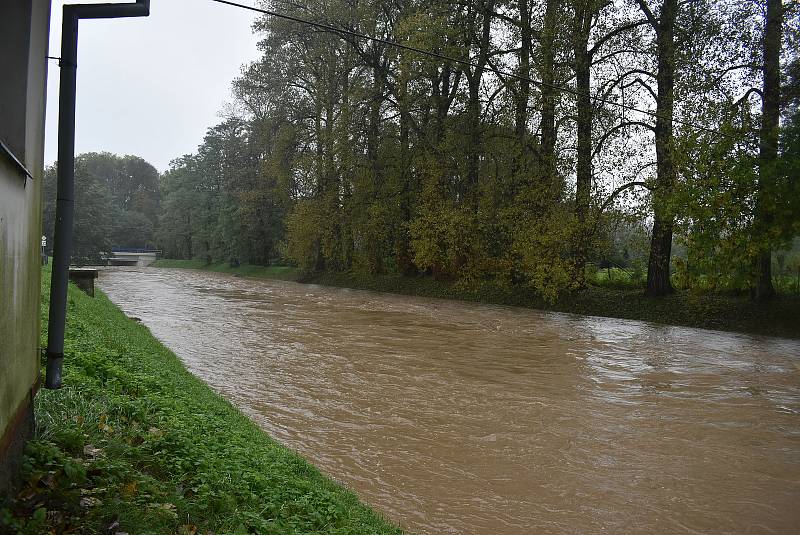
151 86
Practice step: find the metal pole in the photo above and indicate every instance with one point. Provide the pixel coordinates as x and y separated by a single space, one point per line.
65 205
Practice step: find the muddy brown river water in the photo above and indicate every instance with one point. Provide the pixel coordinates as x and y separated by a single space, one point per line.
458 418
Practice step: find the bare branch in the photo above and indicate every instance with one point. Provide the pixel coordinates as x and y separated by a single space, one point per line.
643 84
613 33
616 129
616 193
747 95
607 90
753 66
617 52
649 14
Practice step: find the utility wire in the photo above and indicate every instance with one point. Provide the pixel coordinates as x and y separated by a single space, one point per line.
467 63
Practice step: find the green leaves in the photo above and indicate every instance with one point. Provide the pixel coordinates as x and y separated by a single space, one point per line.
116 204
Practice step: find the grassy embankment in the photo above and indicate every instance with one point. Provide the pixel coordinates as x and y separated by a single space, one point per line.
619 299
134 443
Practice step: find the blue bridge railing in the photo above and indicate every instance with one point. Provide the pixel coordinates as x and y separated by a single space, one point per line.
134 250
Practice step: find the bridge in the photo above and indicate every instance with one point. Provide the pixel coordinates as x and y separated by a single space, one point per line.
133 257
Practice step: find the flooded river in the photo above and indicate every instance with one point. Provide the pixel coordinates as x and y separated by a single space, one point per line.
457 418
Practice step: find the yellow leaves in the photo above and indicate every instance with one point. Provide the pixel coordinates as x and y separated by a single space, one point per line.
191 529
444 236
129 489
187 529
103 426
304 236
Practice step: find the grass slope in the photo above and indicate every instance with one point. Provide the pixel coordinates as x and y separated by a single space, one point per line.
781 317
135 442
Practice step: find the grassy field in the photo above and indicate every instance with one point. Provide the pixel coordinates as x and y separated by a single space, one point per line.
245 270
614 298
134 443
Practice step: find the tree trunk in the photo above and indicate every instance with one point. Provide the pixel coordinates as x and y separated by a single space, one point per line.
373 130
474 141
768 151
583 168
319 153
547 150
374 247
524 90
404 261
188 238
474 78
658 280
330 149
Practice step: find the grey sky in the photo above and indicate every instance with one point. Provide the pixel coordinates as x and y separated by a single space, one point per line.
151 86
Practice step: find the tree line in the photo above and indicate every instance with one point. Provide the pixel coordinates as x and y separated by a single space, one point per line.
554 126
117 204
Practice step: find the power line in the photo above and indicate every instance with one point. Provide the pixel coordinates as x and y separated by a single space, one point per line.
467 63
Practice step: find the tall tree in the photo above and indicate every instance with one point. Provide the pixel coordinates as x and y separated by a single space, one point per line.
768 146
662 23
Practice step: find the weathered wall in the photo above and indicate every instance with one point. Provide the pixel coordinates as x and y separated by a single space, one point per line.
24 30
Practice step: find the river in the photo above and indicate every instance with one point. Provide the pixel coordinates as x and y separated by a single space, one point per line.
460 418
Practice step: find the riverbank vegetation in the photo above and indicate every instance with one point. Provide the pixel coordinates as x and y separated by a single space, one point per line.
243 270
621 297
551 146
352 156
134 443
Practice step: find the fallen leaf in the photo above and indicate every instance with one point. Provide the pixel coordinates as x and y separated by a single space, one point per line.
49 480
103 426
129 489
92 451
88 501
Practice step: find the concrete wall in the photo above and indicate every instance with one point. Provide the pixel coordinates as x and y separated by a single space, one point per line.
132 259
24 31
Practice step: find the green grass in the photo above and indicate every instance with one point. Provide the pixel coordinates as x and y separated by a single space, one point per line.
245 270
135 440
615 277
618 298
711 311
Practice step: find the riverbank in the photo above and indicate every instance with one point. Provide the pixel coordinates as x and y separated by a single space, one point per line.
134 443
736 313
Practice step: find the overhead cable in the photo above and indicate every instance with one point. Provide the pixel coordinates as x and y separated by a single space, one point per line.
467 63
